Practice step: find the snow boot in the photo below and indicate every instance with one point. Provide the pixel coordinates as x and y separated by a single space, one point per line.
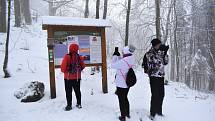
68 108
78 106
151 117
122 118
160 114
128 116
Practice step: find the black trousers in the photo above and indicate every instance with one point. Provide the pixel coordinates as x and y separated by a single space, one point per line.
157 91
122 94
69 86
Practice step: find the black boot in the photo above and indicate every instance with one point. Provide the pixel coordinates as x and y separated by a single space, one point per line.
78 106
160 114
152 117
122 118
68 108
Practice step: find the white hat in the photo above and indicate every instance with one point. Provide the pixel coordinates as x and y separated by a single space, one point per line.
126 50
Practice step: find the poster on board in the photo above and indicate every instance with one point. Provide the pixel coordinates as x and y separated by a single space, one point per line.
60 49
71 40
95 49
89 47
84 47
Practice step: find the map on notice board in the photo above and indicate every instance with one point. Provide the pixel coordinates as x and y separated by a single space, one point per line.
89 47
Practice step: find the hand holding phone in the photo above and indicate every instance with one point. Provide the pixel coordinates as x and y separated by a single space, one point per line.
116 52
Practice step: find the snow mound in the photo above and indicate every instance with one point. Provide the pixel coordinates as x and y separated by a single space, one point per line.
30 92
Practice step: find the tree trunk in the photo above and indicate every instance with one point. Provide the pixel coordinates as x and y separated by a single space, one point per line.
127 23
172 71
52 9
167 23
105 9
97 8
26 11
86 13
3 16
17 13
157 21
176 43
6 73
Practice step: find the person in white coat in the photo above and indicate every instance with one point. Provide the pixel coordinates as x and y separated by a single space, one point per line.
122 65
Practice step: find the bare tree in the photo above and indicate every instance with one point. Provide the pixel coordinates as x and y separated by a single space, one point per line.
97 8
3 16
86 12
211 41
17 10
105 9
187 25
6 73
127 23
192 55
25 9
54 5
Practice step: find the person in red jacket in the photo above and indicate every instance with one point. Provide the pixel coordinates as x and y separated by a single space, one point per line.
71 66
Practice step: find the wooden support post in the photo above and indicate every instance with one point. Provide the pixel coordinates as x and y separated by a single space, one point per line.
51 63
104 63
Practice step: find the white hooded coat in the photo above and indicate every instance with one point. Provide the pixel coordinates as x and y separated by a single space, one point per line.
122 67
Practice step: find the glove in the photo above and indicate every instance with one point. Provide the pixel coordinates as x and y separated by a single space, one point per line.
164 48
167 48
116 53
146 71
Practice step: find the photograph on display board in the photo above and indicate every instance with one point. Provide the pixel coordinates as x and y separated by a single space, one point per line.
84 45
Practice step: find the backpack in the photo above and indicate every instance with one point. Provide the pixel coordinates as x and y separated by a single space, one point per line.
75 66
130 78
145 64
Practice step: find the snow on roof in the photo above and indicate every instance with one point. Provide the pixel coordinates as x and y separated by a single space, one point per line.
59 20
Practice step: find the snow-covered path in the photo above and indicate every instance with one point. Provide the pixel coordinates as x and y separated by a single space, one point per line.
180 103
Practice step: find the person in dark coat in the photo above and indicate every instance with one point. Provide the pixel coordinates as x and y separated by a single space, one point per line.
153 63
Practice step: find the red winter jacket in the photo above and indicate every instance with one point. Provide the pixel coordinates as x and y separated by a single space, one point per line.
73 49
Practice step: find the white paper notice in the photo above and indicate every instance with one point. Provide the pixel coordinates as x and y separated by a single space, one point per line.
95 49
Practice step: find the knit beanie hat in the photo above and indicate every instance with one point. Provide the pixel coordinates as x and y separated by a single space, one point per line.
155 42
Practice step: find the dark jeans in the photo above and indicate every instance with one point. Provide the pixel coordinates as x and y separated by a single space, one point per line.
157 91
122 94
69 86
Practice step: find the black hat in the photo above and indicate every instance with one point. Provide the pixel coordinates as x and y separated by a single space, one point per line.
155 42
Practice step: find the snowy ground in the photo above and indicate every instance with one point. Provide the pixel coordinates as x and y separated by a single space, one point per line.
180 103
